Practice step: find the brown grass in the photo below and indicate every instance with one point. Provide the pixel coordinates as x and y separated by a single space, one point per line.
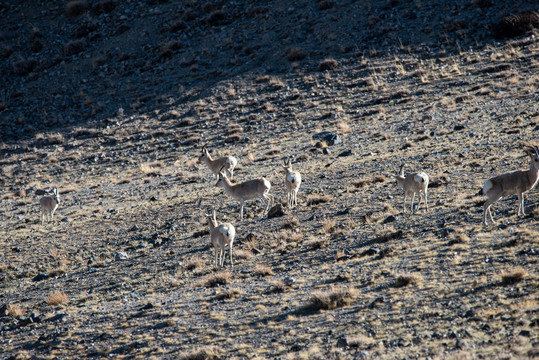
361 183
14 310
327 300
194 263
328 225
220 278
76 8
403 280
291 222
263 270
328 64
228 294
317 199
202 353
513 276
56 298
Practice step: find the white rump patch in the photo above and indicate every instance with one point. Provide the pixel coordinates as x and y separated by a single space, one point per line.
421 178
291 178
486 188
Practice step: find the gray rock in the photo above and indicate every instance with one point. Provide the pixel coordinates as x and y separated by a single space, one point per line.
121 255
276 211
329 137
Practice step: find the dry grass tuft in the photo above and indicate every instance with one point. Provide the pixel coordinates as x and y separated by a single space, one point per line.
403 280
278 286
14 310
316 244
317 199
291 222
328 64
263 270
231 293
56 298
58 271
194 263
151 169
76 8
327 300
458 238
220 278
514 276
295 54
328 225
202 353
361 183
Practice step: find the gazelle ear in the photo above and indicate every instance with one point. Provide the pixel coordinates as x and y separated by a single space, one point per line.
213 213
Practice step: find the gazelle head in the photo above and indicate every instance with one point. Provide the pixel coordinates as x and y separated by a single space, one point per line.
56 196
533 153
287 165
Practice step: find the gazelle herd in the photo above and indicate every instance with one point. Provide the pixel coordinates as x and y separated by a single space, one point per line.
514 183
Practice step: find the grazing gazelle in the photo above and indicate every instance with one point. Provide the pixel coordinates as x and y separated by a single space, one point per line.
513 183
226 162
49 204
293 182
413 184
221 235
251 189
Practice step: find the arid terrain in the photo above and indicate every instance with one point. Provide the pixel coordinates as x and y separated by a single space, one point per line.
112 101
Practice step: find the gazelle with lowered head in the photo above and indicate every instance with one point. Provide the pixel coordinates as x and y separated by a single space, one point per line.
226 162
248 190
49 204
292 182
413 184
513 183
221 235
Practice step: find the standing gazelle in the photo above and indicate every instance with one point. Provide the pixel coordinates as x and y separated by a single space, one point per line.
517 182
226 162
221 235
293 182
413 184
251 189
49 204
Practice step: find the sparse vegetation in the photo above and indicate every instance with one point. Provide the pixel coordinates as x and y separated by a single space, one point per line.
513 276
328 300
56 298
221 278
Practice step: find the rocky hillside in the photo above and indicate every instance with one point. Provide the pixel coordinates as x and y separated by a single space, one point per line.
67 63
112 101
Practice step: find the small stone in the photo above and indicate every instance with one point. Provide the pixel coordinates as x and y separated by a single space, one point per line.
342 342
148 306
389 219
40 277
276 211
121 255
329 137
346 153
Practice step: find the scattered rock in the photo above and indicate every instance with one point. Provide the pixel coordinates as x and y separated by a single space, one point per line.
329 137
346 153
276 211
121 255
40 277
